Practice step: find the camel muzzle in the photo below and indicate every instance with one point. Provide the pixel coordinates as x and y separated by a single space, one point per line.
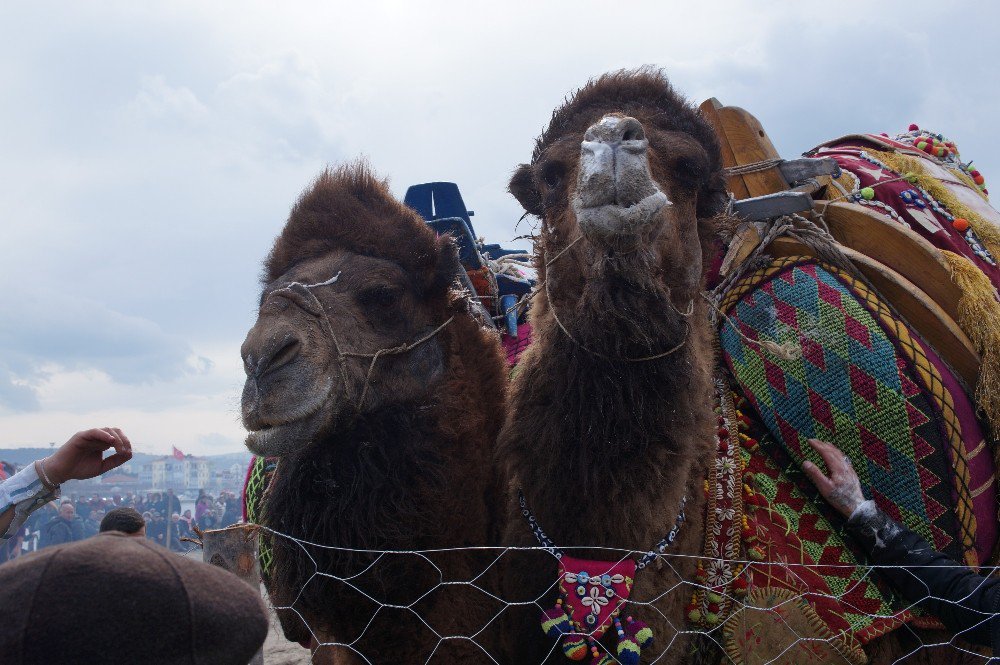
616 196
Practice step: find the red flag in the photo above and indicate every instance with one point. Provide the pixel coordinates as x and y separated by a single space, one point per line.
178 454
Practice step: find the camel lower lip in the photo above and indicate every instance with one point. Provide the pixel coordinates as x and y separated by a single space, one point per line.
615 219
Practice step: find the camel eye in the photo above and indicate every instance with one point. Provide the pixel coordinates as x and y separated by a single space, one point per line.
552 174
382 297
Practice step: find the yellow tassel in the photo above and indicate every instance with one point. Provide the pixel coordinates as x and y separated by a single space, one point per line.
987 232
979 317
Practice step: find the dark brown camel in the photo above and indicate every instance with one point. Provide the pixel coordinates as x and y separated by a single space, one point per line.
382 396
610 420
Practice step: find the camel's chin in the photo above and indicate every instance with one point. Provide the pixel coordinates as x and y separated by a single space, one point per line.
284 439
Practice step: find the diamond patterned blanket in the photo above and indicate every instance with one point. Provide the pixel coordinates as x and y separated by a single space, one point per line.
864 380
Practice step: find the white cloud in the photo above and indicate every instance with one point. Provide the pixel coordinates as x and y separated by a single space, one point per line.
151 152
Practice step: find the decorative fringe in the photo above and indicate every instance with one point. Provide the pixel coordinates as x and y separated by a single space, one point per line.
979 317
987 232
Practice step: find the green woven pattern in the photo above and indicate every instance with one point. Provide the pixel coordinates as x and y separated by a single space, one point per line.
257 482
851 385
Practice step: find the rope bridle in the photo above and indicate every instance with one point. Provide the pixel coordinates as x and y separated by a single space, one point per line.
685 314
305 291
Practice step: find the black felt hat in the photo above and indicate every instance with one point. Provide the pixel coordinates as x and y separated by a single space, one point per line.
118 599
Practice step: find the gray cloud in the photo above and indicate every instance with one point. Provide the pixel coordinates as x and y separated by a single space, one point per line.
52 332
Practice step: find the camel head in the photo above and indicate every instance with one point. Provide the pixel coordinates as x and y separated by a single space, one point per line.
626 179
353 273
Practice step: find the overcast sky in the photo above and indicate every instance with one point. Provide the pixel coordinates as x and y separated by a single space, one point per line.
149 152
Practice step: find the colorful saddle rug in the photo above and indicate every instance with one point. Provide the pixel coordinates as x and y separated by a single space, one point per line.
866 381
941 197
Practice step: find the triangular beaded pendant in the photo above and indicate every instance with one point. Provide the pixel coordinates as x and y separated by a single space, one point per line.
591 595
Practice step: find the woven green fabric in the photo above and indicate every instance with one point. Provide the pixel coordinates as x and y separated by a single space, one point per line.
851 385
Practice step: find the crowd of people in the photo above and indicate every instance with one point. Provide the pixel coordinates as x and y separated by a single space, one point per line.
79 517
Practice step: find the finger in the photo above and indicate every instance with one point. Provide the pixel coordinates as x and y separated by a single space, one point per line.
96 438
813 472
126 445
831 455
115 461
111 430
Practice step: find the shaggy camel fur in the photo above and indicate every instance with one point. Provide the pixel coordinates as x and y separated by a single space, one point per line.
392 453
610 420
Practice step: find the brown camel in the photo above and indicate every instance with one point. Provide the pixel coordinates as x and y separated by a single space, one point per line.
610 421
611 412
370 380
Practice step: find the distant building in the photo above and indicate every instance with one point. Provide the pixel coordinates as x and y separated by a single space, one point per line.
168 472
117 478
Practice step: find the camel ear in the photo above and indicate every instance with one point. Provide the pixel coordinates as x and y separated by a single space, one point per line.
448 265
522 186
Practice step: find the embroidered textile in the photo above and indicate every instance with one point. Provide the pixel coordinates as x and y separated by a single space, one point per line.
876 395
594 591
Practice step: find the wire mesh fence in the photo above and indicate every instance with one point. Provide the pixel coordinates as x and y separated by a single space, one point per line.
754 624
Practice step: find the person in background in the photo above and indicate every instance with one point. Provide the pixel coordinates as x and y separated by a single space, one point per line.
233 512
156 529
172 503
80 458
65 527
126 520
201 506
966 602
187 519
208 520
92 525
175 532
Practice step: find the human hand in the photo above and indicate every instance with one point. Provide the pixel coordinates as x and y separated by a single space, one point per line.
82 457
841 488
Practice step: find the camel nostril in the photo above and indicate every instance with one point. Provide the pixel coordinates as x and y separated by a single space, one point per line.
283 353
634 133
630 129
613 129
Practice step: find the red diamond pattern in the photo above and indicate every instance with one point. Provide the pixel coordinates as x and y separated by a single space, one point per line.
812 351
775 377
876 449
829 295
785 313
820 409
863 385
857 331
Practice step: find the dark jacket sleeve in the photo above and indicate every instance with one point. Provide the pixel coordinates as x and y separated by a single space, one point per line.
966 602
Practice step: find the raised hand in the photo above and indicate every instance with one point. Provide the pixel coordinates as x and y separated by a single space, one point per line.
82 456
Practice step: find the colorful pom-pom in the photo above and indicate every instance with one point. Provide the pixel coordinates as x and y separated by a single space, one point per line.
913 127
978 179
641 633
629 651
575 648
960 224
695 615
867 193
921 145
555 622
